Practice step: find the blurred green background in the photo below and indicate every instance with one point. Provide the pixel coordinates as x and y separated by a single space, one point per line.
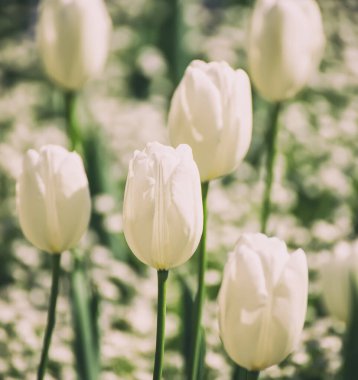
315 194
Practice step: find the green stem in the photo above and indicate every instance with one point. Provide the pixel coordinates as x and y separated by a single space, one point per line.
271 140
71 124
243 374
51 317
86 340
200 297
161 308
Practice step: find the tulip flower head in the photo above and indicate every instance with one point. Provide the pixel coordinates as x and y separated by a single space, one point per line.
262 301
73 39
53 199
162 211
211 111
286 42
338 274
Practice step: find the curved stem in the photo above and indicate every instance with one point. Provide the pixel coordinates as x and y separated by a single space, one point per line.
51 317
71 124
161 308
86 340
243 374
200 297
271 140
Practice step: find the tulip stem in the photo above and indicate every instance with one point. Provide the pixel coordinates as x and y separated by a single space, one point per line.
161 309
51 317
244 374
271 140
71 123
200 297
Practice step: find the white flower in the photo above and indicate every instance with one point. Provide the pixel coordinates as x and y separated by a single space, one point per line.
73 38
162 211
211 111
286 42
262 301
338 274
53 200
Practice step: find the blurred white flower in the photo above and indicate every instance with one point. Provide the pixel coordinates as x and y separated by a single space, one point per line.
53 200
211 111
286 41
162 210
262 301
151 62
73 38
337 276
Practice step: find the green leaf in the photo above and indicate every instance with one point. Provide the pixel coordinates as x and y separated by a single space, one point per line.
201 367
350 345
84 312
187 315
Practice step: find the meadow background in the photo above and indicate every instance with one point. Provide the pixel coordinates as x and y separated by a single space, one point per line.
315 194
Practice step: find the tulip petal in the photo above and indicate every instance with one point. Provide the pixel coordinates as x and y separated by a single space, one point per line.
243 302
197 116
30 197
72 201
185 211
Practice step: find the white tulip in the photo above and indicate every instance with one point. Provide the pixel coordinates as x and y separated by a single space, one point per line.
53 200
162 211
211 111
73 38
286 42
262 301
337 274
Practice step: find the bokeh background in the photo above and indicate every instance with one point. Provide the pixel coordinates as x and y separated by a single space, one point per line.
315 194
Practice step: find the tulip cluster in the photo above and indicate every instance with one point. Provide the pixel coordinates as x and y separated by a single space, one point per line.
263 296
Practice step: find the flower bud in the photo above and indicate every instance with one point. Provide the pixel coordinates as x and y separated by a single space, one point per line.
262 301
211 111
162 211
73 39
286 43
337 274
53 200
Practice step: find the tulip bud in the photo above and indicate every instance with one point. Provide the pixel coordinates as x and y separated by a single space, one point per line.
73 39
162 211
337 274
53 200
262 301
211 111
286 43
